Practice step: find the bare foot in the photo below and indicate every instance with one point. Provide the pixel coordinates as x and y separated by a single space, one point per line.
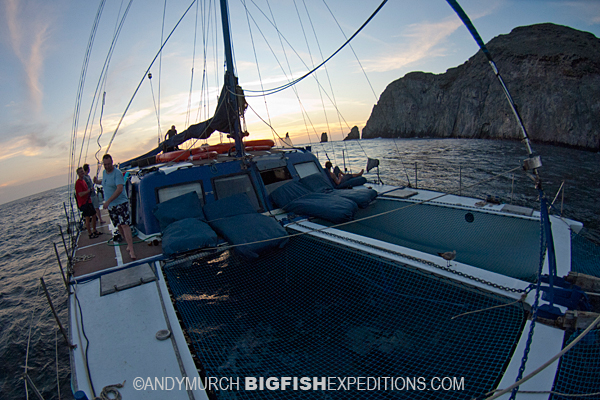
132 254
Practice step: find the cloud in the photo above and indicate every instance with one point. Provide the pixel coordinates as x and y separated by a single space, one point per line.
27 140
589 11
28 31
424 40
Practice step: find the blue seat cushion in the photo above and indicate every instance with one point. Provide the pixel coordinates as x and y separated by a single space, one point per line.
351 182
187 234
287 193
323 205
229 206
317 183
249 228
362 197
181 207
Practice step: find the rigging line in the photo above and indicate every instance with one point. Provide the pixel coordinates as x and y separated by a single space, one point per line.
155 109
283 87
205 27
99 136
326 70
289 68
207 35
467 22
79 96
334 103
352 48
312 63
258 71
277 59
162 35
357 60
300 58
265 122
402 162
104 71
26 367
547 363
104 78
144 77
189 108
281 36
56 354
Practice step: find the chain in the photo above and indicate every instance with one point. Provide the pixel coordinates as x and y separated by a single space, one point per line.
420 260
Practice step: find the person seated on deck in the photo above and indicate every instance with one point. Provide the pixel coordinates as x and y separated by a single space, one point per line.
170 133
84 203
340 178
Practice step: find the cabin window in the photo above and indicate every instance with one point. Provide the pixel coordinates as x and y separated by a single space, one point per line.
306 169
225 187
274 178
170 192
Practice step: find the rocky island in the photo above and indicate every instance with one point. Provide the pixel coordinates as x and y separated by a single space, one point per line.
551 71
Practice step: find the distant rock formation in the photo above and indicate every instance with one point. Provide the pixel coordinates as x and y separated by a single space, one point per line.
552 72
324 137
354 134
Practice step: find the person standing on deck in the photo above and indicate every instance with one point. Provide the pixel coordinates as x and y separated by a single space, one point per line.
116 201
94 197
85 205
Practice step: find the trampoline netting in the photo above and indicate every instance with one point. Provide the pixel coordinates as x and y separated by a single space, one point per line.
319 309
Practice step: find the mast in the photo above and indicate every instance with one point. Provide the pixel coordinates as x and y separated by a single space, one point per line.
230 81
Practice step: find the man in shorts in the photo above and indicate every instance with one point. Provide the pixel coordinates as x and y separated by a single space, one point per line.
116 201
84 204
94 196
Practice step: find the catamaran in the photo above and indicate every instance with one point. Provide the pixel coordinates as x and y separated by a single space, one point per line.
258 277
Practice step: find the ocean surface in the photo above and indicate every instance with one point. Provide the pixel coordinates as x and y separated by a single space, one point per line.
29 227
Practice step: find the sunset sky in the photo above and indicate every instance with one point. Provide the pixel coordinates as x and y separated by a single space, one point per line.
43 44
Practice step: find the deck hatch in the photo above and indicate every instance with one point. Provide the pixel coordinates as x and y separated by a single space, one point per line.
125 279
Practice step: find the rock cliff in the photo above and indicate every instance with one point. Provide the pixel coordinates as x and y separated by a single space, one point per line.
551 71
354 134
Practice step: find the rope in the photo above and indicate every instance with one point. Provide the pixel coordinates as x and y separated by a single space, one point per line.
258 71
111 390
547 363
144 76
283 87
522 299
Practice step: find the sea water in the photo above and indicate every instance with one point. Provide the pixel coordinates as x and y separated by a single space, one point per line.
29 228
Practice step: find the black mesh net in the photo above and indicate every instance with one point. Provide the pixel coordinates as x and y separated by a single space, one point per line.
319 309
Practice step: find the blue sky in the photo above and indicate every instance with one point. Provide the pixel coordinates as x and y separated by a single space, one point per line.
43 45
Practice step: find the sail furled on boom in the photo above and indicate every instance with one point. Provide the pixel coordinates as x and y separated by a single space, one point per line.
222 121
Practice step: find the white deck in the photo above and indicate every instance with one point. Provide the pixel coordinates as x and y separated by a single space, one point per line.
121 328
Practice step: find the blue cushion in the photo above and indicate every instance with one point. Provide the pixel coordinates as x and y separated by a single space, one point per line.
287 193
346 183
187 234
362 197
229 206
248 228
331 208
356 181
317 183
181 207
